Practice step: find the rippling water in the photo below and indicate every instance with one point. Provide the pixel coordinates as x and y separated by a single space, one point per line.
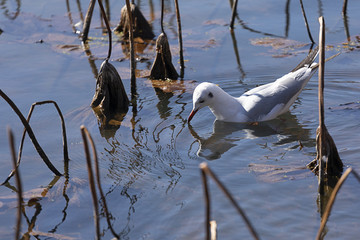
149 163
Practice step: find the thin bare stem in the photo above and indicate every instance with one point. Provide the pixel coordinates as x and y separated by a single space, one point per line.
18 184
207 200
182 66
107 27
97 174
31 134
233 14
321 103
87 21
65 147
208 171
321 71
344 9
162 17
306 22
331 201
91 181
132 54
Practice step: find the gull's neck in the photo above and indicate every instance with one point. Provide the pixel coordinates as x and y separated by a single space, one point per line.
225 106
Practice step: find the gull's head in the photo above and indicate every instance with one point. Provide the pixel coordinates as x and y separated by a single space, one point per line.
203 96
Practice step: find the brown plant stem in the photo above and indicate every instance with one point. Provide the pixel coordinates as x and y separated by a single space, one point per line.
97 175
132 55
30 133
87 21
208 171
107 27
321 103
65 147
207 200
331 201
91 181
306 22
233 14
182 66
18 184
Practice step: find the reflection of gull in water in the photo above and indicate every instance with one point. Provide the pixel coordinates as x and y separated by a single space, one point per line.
287 128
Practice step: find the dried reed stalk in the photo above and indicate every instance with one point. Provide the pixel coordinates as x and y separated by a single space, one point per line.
132 54
97 175
233 14
182 66
204 167
65 147
31 134
91 182
207 201
87 22
306 22
18 184
331 201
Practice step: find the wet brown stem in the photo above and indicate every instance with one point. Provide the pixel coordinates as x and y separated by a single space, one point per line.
321 104
132 55
103 14
306 22
91 181
65 147
233 14
30 133
208 172
182 66
18 184
344 9
207 200
97 174
331 201
87 21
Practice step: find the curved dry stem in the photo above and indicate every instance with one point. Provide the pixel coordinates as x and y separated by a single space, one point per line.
331 201
65 147
31 135
208 171
97 175
18 184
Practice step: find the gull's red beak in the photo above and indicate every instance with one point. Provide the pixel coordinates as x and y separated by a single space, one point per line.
192 114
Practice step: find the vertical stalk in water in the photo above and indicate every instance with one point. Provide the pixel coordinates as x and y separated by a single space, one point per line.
132 55
182 67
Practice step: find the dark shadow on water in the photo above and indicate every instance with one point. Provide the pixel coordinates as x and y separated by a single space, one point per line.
220 141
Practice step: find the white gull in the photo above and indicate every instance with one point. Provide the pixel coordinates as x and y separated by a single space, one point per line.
262 103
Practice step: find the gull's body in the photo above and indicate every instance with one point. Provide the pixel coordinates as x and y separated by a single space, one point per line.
262 103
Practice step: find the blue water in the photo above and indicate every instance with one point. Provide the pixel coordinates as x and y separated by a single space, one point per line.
150 164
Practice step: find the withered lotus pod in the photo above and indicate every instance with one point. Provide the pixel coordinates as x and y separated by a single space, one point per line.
142 28
162 67
110 94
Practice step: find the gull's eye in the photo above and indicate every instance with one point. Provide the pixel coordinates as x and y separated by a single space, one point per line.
210 94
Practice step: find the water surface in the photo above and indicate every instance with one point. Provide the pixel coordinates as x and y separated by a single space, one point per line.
149 164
